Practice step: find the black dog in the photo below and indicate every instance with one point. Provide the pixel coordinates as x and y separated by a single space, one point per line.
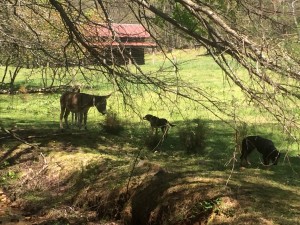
264 146
156 123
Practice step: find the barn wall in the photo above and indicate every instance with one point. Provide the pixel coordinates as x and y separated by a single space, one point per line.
138 55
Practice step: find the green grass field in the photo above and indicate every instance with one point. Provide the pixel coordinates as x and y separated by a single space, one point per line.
94 162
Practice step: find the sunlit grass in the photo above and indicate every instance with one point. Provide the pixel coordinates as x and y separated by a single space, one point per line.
195 67
101 162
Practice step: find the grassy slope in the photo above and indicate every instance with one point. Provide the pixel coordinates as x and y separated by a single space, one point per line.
83 167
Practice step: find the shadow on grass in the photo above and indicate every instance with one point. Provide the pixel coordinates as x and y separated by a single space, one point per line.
266 194
219 141
252 187
47 134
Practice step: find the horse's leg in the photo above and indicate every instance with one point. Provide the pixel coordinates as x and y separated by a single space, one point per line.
80 117
85 119
62 112
76 118
67 112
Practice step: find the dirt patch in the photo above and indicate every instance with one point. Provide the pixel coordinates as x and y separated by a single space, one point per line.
154 196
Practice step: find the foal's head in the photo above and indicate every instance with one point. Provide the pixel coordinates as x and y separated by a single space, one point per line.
100 103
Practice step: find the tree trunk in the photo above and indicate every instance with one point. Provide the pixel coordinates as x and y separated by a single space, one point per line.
5 71
13 78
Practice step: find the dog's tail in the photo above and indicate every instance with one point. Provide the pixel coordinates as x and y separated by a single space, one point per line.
172 125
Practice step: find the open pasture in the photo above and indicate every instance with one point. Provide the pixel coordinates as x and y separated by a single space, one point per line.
85 167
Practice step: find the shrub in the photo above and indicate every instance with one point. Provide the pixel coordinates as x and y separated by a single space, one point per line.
152 141
194 136
112 124
22 89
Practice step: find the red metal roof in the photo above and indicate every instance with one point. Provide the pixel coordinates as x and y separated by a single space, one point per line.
120 30
126 44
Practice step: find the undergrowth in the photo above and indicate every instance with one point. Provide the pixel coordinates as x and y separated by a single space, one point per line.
112 124
194 136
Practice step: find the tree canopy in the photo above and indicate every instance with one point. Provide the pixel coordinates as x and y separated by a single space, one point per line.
261 37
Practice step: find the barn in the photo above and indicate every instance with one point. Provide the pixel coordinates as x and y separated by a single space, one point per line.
122 42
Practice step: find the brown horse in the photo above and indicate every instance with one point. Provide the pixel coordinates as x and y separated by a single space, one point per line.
80 103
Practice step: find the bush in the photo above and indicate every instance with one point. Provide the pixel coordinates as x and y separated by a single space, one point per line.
194 136
152 141
112 124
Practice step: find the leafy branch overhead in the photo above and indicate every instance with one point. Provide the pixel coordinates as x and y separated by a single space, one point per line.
259 37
